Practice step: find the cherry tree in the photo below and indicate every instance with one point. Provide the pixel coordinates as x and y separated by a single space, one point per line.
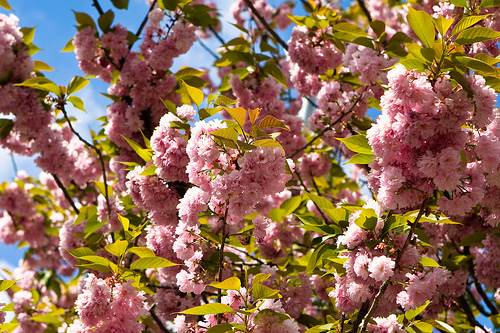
212 205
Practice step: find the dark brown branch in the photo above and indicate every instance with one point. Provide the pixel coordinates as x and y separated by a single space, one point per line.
98 152
66 194
143 23
157 319
98 7
365 10
468 312
254 11
487 301
221 261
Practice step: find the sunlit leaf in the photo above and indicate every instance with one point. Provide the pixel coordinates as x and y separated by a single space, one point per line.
232 283
421 24
151 262
210 308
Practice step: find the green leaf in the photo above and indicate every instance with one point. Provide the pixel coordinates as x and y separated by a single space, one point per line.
349 31
220 328
421 24
266 143
142 252
412 63
69 47
41 66
81 252
76 84
168 4
260 291
226 133
224 101
459 3
271 68
360 159
6 125
410 314
270 121
98 260
41 83
84 20
466 22
358 144
378 27
145 154
85 213
366 221
6 284
429 262
106 20
315 257
5 4
238 114
489 3
195 93
120 4
93 224
260 277
431 218
475 64
476 35
320 201
28 35
232 283
210 308
472 239
77 102
423 327
124 221
118 248
47 318
151 262
101 188
208 112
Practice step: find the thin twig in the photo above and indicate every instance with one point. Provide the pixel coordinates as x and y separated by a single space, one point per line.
206 48
14 164
330 127
98 7
384 286
66 194
158 321
143 23
255 12
98 152
221 261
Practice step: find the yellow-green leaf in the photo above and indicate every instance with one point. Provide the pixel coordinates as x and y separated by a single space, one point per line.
210 308
358 144
118 248
232 283
429 262
6 284
69 47
142 252
270 121
226 133
76 84
151 262
476 35
238 114
195 93
466 22
5 4
421 24
124 221
77 102
41 66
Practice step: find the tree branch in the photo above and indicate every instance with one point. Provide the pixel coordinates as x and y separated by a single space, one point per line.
66 194
365 10
221 261
468 312
98 7
97 150
384 286
254 11
158 321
